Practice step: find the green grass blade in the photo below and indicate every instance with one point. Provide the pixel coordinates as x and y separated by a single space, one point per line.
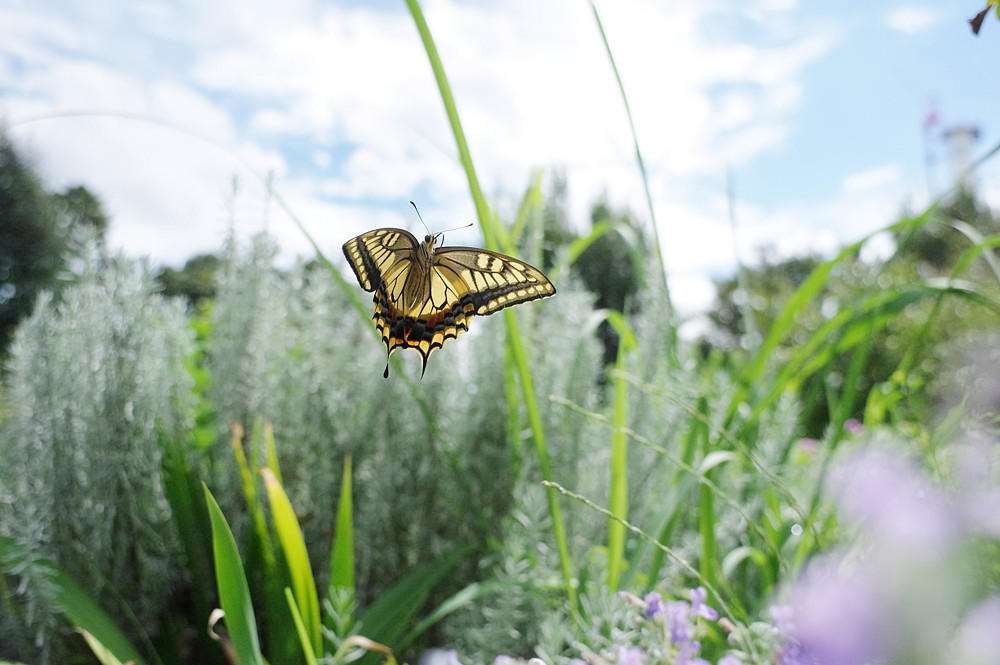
234 592
293 546
491 235
300 628
530 204
618 483
645 179
342 556
182 489
468 595
387 618
101 652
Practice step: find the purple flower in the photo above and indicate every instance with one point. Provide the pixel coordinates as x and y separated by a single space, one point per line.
654 604
897 504
782 615
853 426
977 639
685 653
504 660
678 621
629 656
698 606
440 657
730 660
808 445
838 617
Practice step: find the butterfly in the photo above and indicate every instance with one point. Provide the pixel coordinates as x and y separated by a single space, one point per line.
426 295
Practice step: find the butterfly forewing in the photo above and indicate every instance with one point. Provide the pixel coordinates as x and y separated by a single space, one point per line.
424 297
379 254
494 280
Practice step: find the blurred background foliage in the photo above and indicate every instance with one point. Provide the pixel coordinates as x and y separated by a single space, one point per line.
116 376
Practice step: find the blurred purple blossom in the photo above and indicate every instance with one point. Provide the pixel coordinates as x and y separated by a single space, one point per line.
904 585
837 617
685 653
978 642
853 426
678 618
629 656
895 503
654 604
505 660
808 445
698 606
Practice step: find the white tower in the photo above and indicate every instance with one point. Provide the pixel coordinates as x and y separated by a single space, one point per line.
961 142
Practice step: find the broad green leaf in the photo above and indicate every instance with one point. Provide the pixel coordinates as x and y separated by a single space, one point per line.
234 592
468 595
342 557
101 652
300 628
294 547
386 618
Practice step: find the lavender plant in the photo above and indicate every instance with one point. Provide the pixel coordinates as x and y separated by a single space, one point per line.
95 382
436 462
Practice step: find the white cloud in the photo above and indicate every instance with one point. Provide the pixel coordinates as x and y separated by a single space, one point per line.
531 80
911 20
871 179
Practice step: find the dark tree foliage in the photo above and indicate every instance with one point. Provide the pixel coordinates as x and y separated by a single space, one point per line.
83 209
32 243
195 281
36 231
937 246
610 270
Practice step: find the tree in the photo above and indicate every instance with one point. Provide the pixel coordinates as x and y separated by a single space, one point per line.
195 281
37 229
32 244
611 269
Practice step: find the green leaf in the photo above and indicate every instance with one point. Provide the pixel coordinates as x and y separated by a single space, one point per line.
471 593
234 592
342 557
102 653
300 628
294 547
386 618
715 458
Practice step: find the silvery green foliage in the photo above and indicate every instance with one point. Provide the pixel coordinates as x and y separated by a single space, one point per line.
434 465
95 382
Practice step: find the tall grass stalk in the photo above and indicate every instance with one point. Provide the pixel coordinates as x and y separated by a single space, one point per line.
491 235
671 318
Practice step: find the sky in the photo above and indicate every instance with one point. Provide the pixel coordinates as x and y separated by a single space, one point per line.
181 115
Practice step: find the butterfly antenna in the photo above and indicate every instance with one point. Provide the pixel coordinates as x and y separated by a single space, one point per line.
439 233
420 217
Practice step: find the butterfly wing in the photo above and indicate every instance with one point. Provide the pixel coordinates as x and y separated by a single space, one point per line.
493 280
381 254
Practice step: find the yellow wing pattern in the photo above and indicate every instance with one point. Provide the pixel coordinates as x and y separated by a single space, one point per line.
424 296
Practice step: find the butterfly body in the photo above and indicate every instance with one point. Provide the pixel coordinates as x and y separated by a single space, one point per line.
426 295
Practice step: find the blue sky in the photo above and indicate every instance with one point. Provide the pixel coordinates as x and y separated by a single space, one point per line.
814 107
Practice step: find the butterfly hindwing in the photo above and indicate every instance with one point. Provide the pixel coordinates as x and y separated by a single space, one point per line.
424 297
